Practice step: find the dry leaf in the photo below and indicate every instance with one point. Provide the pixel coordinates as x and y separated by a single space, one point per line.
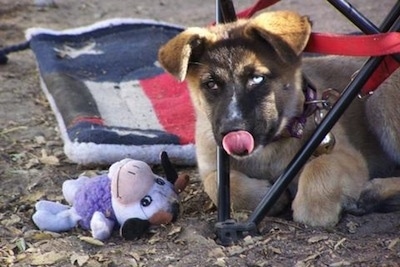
303 263
40 140
133 262
91 240
48 160
135 255
263 242
100 257
154 239
13 129
90 173
32 163
312 257
393 243
300 264
339 243
220 262
12 220
94 263
79 259
248 240
217 253
340 263
40 235
33 196
275 250
151 251
352 227
21 244
21 257
317 238
235 250
48 258
175 230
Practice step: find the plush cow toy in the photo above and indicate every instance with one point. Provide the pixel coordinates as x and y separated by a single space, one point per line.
130 196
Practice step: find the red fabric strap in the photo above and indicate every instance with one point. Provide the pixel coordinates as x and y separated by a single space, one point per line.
384 70
355 45
361 45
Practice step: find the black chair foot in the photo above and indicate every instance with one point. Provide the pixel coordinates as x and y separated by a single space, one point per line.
230 231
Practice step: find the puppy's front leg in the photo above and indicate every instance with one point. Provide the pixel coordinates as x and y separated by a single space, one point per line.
246 192
328 184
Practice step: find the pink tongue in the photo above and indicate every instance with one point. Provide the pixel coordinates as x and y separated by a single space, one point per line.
238 143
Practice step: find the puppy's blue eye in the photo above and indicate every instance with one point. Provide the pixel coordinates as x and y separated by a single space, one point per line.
146 201
255 80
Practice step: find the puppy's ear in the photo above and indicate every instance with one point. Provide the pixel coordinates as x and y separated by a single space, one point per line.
282 26
175 55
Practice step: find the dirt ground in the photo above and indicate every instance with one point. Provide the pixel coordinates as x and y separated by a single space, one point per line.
33 166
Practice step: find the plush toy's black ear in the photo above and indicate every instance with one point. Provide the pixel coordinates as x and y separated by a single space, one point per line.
134 228
169 169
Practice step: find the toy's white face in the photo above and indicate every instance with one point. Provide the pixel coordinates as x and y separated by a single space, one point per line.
161 197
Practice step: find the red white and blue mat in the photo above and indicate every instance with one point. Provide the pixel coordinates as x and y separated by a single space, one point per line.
110 96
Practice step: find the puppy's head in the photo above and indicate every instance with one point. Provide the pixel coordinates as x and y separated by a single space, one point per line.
245 76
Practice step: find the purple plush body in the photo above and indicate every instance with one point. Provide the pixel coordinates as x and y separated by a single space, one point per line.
95 195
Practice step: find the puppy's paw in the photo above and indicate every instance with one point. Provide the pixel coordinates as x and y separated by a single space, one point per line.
316 212
379 195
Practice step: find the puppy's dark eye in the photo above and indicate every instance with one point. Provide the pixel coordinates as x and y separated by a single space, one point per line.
146 201
160 181
210 84
255 80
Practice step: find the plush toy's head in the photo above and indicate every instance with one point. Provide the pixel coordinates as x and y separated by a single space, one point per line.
131 180
140 198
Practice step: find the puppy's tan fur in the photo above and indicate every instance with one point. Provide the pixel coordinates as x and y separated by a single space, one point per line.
223 65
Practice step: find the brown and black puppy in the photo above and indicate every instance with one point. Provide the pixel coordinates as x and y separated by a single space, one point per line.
247 83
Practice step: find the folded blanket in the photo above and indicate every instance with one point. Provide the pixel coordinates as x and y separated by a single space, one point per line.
110 96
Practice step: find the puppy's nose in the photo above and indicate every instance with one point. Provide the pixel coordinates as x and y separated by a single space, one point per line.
175 209
230 125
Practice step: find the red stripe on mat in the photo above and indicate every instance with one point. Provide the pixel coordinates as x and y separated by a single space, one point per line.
172 105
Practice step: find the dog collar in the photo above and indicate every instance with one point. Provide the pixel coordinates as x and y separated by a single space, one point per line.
318 107
295 127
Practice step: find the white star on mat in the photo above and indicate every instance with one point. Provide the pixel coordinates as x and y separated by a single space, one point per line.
73 52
